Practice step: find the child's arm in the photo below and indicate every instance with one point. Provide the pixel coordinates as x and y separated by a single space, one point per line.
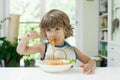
24 49
89 64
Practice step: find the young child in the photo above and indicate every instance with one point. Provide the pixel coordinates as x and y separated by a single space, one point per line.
55 27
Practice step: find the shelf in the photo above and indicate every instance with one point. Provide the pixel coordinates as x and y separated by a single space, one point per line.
103 15
105 41
103 29
103 56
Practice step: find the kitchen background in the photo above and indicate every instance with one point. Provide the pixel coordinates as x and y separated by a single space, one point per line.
92 21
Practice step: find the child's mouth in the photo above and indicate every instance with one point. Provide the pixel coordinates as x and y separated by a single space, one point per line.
53 41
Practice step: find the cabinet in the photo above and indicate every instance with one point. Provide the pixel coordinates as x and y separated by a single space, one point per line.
109 32
114 33
114 56
114 22
103 29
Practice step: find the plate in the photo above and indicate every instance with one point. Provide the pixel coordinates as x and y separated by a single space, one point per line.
54 65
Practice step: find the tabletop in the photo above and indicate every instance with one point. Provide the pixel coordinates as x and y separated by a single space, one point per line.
35 73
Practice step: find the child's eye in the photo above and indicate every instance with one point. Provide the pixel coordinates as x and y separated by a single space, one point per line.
48 30
57 29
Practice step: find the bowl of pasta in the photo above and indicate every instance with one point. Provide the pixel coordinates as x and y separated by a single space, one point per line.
55 65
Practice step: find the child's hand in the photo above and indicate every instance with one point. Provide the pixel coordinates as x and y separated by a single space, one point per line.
89 67
33 35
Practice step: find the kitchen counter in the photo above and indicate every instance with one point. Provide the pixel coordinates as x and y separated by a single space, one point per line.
35 73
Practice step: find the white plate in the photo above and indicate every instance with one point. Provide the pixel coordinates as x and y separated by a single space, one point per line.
54 68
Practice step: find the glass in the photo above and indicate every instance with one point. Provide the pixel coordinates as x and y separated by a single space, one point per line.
115 29
29 11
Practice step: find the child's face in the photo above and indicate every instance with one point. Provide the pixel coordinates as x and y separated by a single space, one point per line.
56 33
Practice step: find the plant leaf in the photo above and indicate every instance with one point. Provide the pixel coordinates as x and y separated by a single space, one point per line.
72 61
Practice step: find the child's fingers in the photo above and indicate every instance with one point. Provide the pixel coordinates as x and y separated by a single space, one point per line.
90 71
28 35
82 65
33 35
87 69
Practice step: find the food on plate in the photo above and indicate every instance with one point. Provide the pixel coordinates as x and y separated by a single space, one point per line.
54 62
55 65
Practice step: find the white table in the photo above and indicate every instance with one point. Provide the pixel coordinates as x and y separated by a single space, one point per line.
36 73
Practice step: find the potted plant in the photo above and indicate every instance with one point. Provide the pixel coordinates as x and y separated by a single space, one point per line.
29 61
8 53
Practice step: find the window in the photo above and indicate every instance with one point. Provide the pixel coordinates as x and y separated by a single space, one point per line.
31 12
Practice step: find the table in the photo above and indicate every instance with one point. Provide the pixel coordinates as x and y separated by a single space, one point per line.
35 73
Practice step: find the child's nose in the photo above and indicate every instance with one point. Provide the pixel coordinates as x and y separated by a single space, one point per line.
52 33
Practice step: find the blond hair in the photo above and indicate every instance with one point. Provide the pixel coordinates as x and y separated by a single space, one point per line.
56 17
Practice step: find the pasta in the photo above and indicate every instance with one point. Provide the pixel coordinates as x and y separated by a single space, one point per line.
52 41
54 62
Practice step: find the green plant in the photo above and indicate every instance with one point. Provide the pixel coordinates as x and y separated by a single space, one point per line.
29 60
8 53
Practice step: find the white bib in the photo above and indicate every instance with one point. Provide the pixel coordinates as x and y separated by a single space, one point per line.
60 52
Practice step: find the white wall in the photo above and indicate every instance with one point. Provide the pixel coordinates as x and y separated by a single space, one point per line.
1 8
87 30
3 14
